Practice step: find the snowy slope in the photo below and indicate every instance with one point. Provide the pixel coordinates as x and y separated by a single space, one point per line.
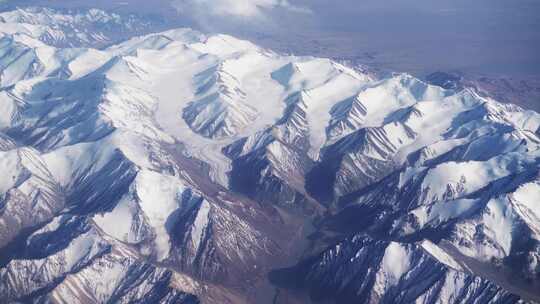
363 270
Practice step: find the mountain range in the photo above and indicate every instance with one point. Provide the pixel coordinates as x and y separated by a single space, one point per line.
144 166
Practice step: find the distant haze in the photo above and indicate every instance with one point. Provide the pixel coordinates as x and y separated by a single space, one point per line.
485 36
491 37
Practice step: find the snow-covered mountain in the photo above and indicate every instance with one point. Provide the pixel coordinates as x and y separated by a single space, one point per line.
363 270
74 28
179 167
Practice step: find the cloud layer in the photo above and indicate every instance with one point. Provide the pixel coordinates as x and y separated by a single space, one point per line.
233 8
241 8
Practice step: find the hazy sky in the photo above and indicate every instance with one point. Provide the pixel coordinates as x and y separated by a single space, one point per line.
491 36
419 36
495 37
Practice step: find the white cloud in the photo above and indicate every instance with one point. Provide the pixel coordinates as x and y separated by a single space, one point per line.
233 8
